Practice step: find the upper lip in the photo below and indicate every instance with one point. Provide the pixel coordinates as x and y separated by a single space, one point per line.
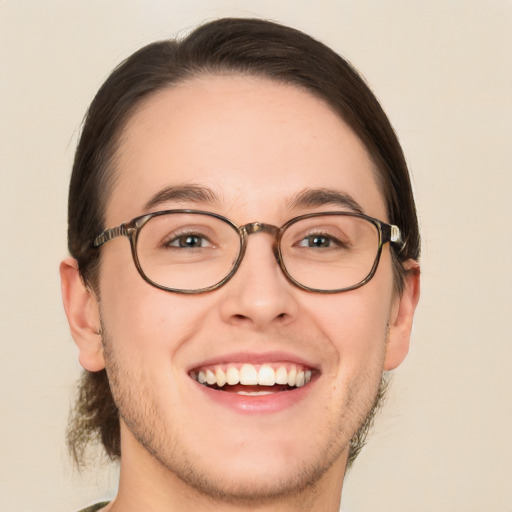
255 358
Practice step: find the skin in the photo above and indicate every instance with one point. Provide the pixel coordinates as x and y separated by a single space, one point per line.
256 144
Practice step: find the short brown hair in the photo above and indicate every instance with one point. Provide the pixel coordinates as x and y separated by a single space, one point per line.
244 46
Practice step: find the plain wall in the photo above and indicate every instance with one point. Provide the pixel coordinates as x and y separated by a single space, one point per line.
443 72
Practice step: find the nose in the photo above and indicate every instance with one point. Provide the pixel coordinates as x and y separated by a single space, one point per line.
259 295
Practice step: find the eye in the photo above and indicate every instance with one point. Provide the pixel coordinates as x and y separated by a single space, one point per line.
188 241
319 240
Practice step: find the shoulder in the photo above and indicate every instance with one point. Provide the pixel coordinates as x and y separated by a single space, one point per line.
94 508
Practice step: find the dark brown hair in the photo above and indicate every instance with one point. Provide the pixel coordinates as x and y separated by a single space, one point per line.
244 46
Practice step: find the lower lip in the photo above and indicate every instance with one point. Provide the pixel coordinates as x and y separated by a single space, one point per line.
261 404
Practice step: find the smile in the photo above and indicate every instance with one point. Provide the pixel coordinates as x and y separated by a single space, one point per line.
253 380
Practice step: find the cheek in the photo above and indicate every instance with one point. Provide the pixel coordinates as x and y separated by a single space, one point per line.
356 322
138 315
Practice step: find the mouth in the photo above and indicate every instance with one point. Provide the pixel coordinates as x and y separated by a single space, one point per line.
253 379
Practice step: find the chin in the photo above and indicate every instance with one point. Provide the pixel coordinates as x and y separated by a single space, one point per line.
246 483
256 471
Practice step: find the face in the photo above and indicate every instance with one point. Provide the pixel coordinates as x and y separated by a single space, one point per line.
256 147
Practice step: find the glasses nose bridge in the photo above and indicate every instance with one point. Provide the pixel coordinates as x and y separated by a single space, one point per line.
260 227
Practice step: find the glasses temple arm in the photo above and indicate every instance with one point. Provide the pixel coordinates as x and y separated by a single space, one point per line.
109 234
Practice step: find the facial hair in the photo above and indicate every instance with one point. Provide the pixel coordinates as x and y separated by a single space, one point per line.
141 414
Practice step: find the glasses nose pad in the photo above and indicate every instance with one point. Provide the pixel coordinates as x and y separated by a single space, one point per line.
279 259
275 249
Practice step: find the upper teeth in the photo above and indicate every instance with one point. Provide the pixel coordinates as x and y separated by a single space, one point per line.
252 375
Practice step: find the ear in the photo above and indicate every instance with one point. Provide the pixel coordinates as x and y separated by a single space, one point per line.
82 310
400 324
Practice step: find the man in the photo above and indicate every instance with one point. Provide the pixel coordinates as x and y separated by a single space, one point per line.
244 270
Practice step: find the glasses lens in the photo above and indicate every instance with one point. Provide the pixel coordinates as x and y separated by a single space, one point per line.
330 252
187 251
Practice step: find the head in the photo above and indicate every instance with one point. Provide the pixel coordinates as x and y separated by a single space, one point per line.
178 113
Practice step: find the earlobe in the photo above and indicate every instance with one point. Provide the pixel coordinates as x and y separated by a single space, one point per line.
400 324
82 311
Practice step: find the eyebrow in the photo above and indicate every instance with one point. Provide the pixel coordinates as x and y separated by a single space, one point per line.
175 193
308 198
311 198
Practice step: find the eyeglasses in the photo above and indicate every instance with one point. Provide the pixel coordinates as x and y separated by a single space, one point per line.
192 251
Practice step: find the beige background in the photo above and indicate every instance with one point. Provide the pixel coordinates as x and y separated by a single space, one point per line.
443 72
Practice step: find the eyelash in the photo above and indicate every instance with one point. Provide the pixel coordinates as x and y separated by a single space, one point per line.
330 238
170 239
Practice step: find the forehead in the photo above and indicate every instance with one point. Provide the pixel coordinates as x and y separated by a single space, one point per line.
254 142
